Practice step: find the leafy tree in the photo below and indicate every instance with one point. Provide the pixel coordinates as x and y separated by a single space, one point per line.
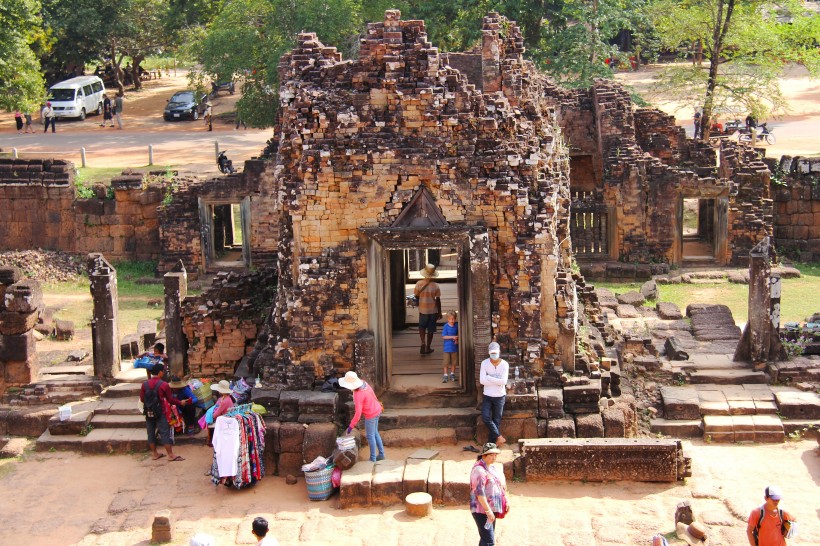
745 45
21 83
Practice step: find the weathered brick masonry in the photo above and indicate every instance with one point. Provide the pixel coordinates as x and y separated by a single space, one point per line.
359 139
797 208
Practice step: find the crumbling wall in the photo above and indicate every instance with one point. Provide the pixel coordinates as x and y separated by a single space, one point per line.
43 211
181 222
356 141
796 194
223 323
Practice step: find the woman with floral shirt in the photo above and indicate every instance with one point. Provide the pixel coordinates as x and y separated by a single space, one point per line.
487 495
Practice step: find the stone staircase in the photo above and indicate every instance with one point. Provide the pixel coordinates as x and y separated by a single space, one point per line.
736 413
412 420
112 423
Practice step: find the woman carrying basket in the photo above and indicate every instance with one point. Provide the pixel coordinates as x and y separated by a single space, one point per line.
368 405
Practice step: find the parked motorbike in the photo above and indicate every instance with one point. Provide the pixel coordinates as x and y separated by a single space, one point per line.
222 86
762 133
225 165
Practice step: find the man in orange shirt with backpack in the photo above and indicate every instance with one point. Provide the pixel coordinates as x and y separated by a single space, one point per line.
768 524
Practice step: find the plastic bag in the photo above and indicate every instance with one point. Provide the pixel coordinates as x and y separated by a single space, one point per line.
144 362
336 477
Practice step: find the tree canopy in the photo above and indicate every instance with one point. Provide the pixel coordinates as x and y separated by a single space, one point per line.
744 46
21 82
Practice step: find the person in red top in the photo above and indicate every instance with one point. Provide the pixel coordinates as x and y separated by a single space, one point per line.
366 403
160 422
770 532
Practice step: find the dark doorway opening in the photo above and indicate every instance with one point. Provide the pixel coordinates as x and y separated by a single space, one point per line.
698 229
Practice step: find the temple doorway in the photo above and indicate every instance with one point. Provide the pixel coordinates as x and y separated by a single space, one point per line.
411 369
225 233
698 229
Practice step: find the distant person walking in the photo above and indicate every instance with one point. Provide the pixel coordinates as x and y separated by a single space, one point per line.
107 113
152 394
696 120
18 120
49 118
118 104
209 114
238 121
29 124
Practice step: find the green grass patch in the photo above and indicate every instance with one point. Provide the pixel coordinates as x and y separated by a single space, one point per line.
98 175
798 298
7 467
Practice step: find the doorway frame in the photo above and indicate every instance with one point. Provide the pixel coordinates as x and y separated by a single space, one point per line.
472 289
206 220
720 219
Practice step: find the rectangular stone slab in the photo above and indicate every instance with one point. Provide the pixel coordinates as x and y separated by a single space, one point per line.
798 405
603 459
415 476
386 487
457 481
680 403
435 481
355 489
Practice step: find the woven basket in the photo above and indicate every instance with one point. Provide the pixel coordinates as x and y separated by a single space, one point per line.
318 483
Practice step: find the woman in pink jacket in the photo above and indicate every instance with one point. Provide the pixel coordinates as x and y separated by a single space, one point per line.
368 405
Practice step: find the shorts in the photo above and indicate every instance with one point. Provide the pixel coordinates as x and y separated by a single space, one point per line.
159 425
450 360
428 322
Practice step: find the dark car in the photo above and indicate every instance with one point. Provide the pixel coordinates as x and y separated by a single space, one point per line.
183 105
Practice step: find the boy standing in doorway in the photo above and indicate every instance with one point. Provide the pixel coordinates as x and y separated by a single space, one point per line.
449 333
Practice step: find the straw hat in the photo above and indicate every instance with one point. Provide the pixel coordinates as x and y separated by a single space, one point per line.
222 387
694 533
177 383
429 272
351 381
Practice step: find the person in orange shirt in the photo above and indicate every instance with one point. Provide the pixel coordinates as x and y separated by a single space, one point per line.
769 528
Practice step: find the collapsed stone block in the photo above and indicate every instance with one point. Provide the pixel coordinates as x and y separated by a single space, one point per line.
162 528
63 330
24 296
12 323
589 425
18 348
319 439
292 438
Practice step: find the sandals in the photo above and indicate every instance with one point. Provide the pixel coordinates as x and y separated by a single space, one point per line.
177 458
470 448
158 457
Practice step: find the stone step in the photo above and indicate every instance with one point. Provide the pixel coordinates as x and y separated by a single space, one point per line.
67 396
109 440
119 406
728 377
688 428
408 400
118 421
121 390
743 428
427 417
388 482
68 369
421 437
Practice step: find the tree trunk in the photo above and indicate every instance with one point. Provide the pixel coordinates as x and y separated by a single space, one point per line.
722 22
116 67
137 59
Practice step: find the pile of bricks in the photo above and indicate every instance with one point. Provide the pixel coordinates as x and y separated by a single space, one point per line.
797 208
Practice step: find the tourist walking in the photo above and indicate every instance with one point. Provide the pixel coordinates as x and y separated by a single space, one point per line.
488 497
429 297
240 121
18 120
107 114
154 393
29 124
49 118
366 403
209 114
449 333
494 374
768 524
118 104
696 121
259 528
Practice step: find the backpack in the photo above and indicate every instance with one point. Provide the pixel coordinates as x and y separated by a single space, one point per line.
756 530
152 408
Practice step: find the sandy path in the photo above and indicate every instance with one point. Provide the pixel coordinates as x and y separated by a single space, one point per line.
796 131
727 484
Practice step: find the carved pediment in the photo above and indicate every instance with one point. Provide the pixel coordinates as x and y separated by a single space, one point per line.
421 211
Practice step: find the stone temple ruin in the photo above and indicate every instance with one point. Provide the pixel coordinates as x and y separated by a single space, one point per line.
406 155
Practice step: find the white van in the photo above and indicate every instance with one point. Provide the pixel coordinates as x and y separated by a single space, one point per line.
77 97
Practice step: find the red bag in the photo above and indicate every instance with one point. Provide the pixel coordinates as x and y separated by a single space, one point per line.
505 506
172 414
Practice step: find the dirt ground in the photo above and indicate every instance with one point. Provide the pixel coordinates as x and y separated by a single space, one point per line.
111 500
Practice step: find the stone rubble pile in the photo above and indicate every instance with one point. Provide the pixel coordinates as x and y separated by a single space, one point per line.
46 266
